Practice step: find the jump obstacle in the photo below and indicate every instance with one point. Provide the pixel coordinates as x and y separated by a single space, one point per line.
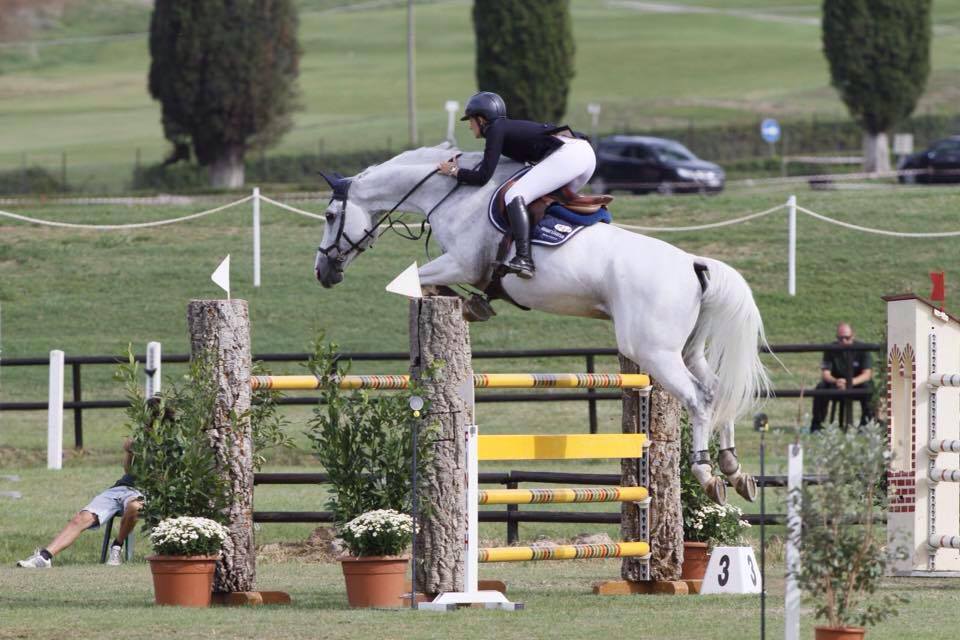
520 447
923 360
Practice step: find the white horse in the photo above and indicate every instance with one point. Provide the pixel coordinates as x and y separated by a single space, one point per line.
697 336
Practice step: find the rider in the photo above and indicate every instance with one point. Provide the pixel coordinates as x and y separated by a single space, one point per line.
560 159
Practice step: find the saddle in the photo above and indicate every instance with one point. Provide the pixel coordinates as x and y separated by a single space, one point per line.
586 205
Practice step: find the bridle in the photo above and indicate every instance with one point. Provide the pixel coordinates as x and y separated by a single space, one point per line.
341 188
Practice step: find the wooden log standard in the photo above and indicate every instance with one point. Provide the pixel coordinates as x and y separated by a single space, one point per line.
666 516
220 330
438 332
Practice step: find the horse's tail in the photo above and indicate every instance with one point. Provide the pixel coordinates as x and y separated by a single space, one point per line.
731 330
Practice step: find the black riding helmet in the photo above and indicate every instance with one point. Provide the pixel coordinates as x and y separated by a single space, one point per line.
486 104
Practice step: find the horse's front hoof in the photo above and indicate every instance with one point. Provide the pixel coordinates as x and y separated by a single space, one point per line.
746 486
716 489
477 309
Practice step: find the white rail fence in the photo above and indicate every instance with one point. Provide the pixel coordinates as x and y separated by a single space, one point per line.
256 198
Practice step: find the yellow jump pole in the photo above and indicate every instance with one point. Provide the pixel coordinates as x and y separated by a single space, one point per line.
556 496
480 381
564 552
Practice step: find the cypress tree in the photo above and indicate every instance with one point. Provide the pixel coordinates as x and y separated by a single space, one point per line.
525 53
879 56
225 74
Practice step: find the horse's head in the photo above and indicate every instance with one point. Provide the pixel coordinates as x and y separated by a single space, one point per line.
347 233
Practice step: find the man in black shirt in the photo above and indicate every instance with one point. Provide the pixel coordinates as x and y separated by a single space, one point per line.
835 368
122 497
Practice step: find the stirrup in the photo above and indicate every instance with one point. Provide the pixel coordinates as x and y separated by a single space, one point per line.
520 267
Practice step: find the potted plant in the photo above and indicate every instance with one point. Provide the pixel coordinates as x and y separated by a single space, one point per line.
365 445
377 565
843 551
185 557
185 493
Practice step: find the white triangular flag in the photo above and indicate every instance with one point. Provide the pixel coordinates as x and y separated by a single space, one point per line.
407 283
221 277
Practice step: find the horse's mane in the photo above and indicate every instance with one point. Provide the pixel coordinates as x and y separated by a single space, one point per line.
428 156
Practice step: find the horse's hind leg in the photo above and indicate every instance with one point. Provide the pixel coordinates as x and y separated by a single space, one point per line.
743 482
669 369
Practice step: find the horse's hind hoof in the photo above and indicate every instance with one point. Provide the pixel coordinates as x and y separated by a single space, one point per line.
746 486
716 489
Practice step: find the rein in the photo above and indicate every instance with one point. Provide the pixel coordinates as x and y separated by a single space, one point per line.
357 245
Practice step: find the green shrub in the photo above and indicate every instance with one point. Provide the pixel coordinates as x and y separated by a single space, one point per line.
173 462
364 442
843 551
31 180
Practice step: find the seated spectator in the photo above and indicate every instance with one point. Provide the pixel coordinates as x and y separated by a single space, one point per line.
122 498
835 368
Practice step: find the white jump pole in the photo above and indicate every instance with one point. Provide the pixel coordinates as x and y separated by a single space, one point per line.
152 370
792 590
792 245
256 236
55 412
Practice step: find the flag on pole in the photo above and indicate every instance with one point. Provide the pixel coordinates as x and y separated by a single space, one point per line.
221 277
938 293
407 283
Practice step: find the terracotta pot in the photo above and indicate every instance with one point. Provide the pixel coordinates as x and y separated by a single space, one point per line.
183 581
375 581
695 559
839 633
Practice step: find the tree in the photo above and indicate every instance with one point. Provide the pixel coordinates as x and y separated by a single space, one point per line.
879 56
225 74
525 53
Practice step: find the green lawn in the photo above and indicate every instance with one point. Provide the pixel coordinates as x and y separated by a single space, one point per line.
731 63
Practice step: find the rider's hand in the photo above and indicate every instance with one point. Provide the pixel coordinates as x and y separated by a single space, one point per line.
448 168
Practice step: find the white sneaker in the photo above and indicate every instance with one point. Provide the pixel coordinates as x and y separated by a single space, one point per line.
36 561
116 556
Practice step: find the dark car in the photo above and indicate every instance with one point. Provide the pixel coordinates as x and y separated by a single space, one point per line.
939 163
643 164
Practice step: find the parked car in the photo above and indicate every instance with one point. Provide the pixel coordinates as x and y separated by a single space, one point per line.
643 164
940 162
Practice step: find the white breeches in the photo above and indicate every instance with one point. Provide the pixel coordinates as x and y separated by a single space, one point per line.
571 165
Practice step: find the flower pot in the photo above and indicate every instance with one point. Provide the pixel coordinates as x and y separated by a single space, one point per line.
375 581
839 633
695 559
183 581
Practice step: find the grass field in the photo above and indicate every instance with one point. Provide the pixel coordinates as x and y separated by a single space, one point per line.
701 62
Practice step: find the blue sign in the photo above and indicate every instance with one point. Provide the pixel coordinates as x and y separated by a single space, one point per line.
770 130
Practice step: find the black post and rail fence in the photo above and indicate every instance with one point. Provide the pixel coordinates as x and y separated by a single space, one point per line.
591 396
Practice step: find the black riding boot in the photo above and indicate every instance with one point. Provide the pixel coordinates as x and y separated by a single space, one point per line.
522 263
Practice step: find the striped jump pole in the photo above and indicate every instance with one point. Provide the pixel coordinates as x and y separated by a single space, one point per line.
480 381
564 552
563 496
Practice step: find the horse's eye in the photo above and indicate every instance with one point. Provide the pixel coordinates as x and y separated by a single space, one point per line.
330 216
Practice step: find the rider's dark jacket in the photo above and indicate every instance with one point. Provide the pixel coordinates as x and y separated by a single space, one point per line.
519 140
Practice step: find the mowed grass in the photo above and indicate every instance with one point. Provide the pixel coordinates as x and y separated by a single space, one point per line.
92 600
696 64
